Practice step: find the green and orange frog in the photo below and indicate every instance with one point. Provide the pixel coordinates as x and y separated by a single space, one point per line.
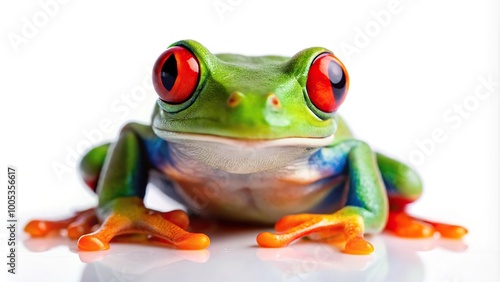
253 139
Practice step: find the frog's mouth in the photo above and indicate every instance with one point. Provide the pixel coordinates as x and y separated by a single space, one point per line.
242 156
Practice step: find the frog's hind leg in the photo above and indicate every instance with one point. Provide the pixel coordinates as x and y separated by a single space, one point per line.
404 187
91 165
82 222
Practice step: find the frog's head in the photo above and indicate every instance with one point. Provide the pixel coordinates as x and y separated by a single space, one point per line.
268 110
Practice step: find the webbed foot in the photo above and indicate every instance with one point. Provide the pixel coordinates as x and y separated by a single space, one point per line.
129 215
405 225
123 216
293 227
75 226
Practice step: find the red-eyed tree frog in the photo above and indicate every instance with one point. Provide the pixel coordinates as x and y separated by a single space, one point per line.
254 139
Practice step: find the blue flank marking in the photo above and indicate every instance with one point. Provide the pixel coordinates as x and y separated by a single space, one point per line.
157 151
333 201
330 161
159 156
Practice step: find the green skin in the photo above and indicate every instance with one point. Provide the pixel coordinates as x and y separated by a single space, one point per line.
122 169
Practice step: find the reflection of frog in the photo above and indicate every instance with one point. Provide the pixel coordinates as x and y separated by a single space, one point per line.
248 139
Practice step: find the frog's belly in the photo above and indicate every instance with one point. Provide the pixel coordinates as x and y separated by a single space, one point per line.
258 197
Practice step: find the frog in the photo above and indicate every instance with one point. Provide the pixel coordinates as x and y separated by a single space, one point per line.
252 139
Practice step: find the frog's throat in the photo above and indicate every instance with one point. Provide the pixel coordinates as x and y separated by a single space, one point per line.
241 156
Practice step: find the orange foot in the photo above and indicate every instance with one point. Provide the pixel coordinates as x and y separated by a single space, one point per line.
293 227
75 226
404 225
124 216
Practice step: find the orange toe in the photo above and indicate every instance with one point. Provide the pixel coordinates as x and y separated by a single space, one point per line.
358 246
177 217
195 241
37 228
270 240
75 231
291 221
91 243
451 231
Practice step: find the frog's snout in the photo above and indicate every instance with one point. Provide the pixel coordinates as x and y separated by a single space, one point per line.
259 112
237 97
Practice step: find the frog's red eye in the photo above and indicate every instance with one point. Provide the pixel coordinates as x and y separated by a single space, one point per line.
327 83
175 75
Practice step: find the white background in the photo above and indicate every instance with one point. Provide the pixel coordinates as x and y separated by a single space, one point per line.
410 63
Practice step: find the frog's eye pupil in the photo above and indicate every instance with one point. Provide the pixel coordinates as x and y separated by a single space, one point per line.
336 75
327 83
176 75
169 73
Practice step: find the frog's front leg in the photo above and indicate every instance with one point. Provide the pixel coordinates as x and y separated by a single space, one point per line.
366 208
120 181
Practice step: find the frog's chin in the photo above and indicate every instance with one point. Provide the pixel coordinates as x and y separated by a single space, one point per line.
242 156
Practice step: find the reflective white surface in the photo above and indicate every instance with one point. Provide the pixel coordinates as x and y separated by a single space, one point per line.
234 256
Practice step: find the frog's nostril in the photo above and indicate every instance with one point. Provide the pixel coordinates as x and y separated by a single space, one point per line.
273 101
235 99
